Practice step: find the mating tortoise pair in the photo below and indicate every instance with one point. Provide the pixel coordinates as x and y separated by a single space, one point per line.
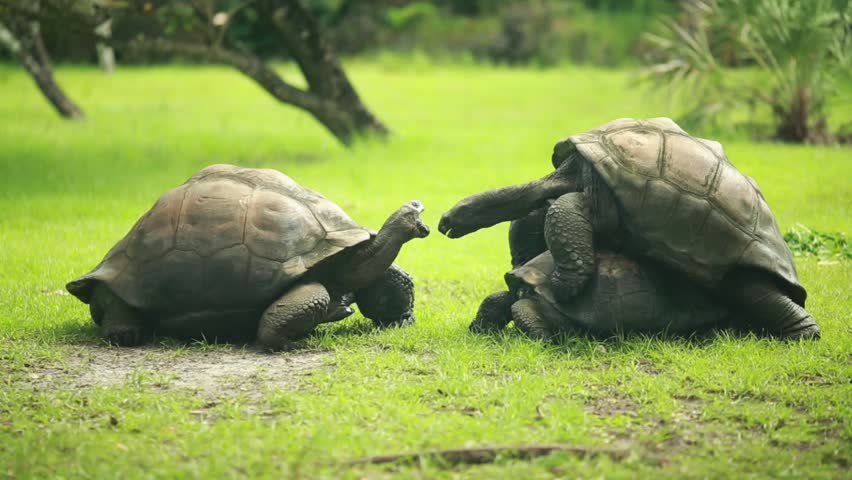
241 253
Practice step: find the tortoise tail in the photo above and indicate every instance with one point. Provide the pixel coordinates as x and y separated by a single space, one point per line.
82 288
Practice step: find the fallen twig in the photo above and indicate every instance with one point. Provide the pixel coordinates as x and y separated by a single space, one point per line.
479 455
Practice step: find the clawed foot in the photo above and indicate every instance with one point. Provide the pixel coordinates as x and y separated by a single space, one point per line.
478 326
532 329
569 285
529 322
404 321
124 336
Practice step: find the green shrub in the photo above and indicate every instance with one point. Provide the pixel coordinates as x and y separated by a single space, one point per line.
805 242
800 47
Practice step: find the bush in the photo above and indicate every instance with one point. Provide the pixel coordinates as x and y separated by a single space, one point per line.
805 242
801 49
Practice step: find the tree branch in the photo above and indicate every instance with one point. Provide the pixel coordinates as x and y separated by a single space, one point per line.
300 33
490 454
24 46
245 63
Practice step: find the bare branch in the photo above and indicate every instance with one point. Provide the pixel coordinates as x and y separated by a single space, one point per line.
24 46
490 454
248 64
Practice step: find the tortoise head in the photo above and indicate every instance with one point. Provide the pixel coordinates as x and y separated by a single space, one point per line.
407 220
563 151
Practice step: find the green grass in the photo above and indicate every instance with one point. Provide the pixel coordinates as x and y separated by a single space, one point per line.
715 407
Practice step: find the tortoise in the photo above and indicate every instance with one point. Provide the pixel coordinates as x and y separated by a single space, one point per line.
623 295
648 189
239 253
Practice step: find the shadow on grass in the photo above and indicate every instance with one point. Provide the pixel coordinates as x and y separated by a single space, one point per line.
75 333
587 345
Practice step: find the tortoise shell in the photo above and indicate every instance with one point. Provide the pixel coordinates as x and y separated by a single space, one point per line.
228 238
684 203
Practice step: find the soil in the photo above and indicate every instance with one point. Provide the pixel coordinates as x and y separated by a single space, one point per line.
214 373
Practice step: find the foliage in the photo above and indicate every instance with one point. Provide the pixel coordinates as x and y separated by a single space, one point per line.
805 242
601 32
525 33
801 48
717 407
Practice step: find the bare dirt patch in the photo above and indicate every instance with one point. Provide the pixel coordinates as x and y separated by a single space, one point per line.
215 373
612 405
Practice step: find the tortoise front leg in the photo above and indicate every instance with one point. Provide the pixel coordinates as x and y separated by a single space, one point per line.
389 301
293 316
340 310
530 321
526 237
491 207
494 313
569 233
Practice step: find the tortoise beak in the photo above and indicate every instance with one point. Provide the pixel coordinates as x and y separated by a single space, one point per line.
422 228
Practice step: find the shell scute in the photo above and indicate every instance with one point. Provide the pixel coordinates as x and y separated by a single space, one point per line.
156 231
689 165
690 214
173 279
661 198
212 216
638 150
736 196
279 227
231 263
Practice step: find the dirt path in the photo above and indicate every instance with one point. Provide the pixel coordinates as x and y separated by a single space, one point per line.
214 373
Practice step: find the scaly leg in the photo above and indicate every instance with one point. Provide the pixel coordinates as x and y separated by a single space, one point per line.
120 324
494 313
569 233
390 300
293 316
526 237
529 321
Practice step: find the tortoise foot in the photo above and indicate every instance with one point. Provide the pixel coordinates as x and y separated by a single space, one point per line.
124 336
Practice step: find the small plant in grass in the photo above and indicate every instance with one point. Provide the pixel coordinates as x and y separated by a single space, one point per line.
801 48
805 242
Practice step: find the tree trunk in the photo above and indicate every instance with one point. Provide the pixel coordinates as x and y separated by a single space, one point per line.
801 119
106 55
348 117
28 49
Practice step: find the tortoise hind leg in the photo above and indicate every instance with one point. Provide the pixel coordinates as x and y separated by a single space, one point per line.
570 238
120 324
293 316
772 311
526 237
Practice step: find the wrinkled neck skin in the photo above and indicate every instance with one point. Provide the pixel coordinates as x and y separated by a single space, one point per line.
510 203
368 261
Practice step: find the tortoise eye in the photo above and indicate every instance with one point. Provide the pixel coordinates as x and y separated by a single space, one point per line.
417 205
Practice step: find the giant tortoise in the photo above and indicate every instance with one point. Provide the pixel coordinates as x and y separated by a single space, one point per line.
648 189
241 252
623 295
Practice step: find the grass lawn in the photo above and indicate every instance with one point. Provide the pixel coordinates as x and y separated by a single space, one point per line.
71 406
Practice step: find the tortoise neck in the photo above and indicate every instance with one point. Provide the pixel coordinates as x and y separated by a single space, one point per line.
369 260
